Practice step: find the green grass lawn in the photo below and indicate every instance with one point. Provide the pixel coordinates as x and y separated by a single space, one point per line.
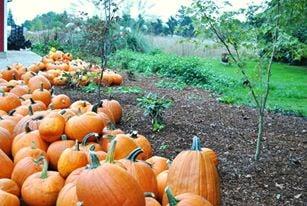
288 89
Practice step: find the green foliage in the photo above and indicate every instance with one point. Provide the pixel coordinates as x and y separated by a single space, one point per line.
90 88
169 84
10 19
154 107
288 84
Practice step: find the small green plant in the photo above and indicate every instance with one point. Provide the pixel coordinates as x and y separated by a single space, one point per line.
164 146
168 84
154 107
90 88
124 90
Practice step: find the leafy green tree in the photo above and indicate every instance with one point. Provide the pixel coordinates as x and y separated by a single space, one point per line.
157 27
209 20
185 23
172 24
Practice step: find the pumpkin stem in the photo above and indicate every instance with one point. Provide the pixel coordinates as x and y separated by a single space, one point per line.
52 90
38 159
33 145
2 92
92 147
23 99
134 134
111 126
170 196
133 155
14 77
95 107
86 137
84 104
11 113
111 151
42 86
44 173
32 101
27 128
62 112
196 145
64 137
77 148
150 194
94 160
31 110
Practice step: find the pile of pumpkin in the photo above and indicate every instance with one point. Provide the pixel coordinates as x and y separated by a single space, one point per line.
57 152
60 69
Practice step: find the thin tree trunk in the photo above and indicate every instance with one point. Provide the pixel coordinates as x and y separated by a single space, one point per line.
260 134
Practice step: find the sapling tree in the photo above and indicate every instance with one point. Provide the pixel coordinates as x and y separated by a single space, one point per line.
224 26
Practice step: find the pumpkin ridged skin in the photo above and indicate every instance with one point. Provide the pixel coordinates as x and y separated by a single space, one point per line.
30 151
6 141
71 159
211 154
52 127
36 82
35 107
141 172
81 106
125 145
6 165
8 199
108 184
115 108
20 90
60 101
193 172
42 188
74 175
161 184
24 168
9 74
186 199
67 196
79 126
55 150
8 124
158 164
42 95
151 202
26 139
9 102
9 186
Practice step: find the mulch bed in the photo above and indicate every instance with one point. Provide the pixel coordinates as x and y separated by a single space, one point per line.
276 179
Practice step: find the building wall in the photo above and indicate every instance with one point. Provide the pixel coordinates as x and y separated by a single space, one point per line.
2 25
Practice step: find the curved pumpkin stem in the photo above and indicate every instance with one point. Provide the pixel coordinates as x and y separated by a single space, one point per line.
150 194
38 159
111 126
86 137
31 110
32 101
52 90
22 99
133 155
111 152
27 128
170 196
44 173
77 148
134 134
94 160
33 145
64 137
196 145
12 112
96 106
42 86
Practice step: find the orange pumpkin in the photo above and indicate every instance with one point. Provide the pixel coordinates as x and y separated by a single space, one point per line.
9 101
60 101
36 82
42 188
67 196
142 142
60 81
125 145
6 166
114 107
9 186
74 175
52 127
27 109
101 183
7 199
27 76
185 199
71 159
117 79
55 150
31 151
26 139
158 164
210 153
140 171
42 95
6 141
79 126
24 168
20 90
8 124
150 200
67 114
81 106
194 165
161 184
9 74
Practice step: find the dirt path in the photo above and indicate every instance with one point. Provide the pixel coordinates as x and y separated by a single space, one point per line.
277 179
24 57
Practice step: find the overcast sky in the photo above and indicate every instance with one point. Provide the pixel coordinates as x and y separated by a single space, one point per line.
28 9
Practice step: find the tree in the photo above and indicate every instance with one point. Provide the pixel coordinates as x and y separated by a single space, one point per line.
157 27
10 19
185 23
172 24
232 35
